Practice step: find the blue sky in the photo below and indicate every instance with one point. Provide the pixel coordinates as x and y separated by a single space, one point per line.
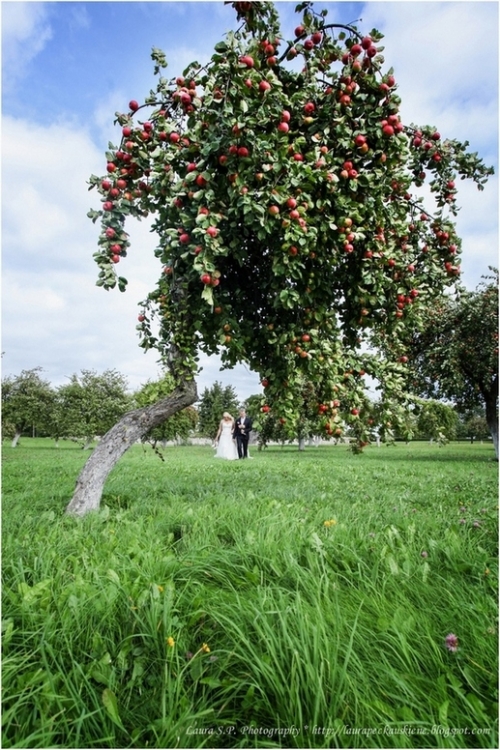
68 66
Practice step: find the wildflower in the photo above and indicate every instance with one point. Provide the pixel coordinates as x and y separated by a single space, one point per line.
424 553
451 642
329 523
476 524
212 658
487 572
371 534
205 648
462 520
170 641
160 589
463 509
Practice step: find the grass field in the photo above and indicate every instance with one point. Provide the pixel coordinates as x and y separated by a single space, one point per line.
295 600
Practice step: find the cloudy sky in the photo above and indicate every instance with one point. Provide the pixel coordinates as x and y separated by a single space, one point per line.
68 66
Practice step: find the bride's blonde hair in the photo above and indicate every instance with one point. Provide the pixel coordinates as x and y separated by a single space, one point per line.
227 414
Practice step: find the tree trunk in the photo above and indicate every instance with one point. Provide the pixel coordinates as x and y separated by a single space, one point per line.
16 439
118 440
492 420
302 444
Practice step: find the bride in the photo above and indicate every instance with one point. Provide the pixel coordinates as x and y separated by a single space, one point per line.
226 446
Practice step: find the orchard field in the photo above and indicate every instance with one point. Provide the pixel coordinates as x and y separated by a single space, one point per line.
294 600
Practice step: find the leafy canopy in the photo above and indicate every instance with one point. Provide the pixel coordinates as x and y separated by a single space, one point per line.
282 184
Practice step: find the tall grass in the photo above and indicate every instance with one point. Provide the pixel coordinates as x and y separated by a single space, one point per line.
208 604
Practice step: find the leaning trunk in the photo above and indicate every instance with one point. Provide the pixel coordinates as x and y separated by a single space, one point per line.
492 420
118 440
16 439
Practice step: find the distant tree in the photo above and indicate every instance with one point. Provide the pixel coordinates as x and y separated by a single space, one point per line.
472 425
437 421
177 427
455 355
26 403
92 404
214 401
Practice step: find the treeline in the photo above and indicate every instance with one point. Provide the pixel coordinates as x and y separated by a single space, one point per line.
84 408
91 403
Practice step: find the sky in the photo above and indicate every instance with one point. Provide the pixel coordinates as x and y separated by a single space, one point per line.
67 67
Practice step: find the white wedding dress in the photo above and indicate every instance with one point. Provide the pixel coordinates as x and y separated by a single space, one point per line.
226 448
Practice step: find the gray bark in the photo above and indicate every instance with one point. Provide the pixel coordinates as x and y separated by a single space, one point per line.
118 440
302 444
16 439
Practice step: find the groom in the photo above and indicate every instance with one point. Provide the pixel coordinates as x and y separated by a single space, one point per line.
241 431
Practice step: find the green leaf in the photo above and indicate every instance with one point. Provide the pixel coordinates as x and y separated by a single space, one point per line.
111 706
221 47
208 295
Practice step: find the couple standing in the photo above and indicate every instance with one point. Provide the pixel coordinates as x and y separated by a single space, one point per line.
230 432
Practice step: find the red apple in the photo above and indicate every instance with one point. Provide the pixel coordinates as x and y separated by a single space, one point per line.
247 60
212 231
264 85
133 105
283 127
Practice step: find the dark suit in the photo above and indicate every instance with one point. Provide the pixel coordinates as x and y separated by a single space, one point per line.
241 431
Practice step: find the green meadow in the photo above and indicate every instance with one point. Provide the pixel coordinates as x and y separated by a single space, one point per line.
302 600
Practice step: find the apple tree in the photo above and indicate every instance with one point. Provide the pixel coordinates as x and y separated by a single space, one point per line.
92 403
27 403
454 355
282 182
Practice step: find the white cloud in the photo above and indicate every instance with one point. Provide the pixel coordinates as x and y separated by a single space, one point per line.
25 32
